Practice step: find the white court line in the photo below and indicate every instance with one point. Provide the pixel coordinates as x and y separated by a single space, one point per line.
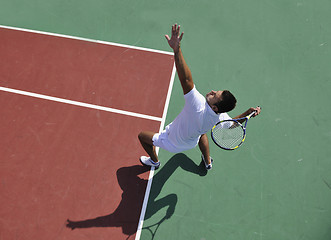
87 40
80 104
151 173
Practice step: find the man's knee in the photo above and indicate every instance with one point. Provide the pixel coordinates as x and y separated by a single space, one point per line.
146 137
203 138
141 136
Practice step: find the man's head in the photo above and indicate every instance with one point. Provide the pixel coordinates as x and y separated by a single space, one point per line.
221 101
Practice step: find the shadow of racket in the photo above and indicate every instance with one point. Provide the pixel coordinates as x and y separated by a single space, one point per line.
149 229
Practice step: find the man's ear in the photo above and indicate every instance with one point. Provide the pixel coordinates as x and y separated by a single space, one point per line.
215 108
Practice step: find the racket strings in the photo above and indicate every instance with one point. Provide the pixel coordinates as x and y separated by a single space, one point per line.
228 134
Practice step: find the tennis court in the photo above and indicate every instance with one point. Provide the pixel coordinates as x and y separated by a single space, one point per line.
79 80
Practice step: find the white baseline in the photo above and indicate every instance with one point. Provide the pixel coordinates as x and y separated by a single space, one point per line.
87 40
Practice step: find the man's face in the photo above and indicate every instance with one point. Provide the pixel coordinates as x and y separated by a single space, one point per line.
213 97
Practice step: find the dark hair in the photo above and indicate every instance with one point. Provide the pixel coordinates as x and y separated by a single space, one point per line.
227 103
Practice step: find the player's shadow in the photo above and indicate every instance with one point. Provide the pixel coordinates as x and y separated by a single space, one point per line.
177 161
127 213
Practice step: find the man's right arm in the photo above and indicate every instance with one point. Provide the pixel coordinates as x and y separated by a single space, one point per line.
183 71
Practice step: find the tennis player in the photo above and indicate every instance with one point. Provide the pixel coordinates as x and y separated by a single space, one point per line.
198 116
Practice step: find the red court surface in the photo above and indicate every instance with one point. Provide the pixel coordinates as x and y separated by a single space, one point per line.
84 71
60 161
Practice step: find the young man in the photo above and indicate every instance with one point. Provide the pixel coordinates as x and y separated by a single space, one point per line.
198 116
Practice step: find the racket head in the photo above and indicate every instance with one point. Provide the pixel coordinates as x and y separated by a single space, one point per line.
228 134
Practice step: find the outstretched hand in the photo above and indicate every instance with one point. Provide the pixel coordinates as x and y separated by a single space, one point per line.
174 41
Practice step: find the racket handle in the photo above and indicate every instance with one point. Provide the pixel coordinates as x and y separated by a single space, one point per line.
251 114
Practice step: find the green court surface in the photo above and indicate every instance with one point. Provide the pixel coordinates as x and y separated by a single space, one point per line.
272 53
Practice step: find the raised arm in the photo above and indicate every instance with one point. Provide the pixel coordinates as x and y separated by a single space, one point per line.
250 110
183 71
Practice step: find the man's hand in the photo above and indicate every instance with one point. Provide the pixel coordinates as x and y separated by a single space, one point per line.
174 41
257 109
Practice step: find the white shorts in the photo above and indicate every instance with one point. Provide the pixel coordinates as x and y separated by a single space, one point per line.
161 140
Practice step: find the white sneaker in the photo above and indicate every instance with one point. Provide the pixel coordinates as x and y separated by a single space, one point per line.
208 166
147 161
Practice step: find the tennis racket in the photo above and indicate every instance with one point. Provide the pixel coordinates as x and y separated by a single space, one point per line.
230 134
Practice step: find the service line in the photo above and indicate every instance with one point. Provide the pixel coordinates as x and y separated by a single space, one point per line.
80 104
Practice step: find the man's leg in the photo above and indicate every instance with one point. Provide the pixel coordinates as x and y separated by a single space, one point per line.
146 140
204 147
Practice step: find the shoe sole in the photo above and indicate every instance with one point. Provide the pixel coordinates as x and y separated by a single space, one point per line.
155 167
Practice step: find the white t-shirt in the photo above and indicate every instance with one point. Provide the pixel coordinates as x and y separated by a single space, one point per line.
195 119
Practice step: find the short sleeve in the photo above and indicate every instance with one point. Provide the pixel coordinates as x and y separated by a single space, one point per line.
194 100
224 116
